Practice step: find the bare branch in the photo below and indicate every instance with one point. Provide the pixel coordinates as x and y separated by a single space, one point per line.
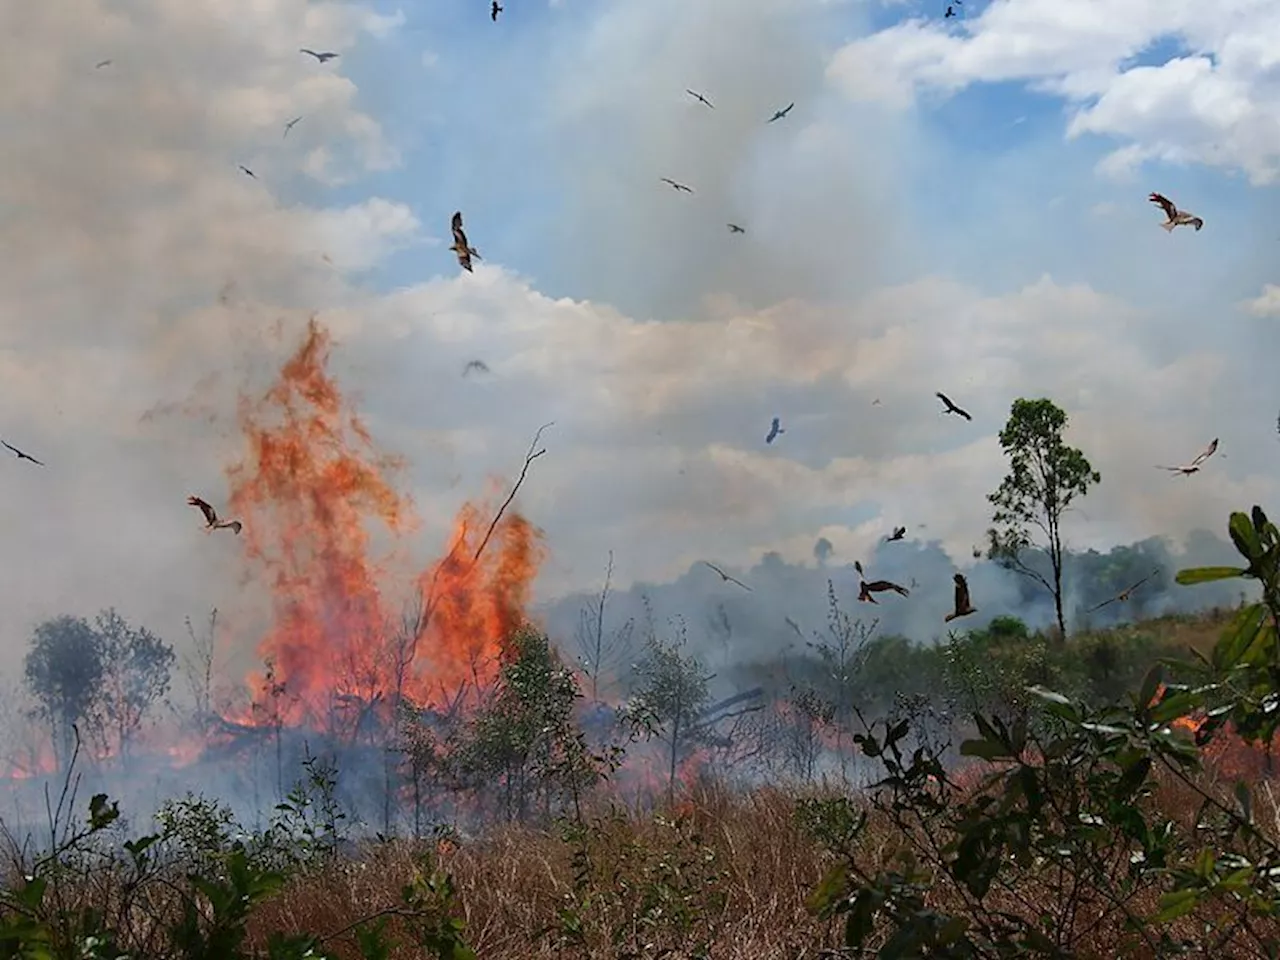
529 457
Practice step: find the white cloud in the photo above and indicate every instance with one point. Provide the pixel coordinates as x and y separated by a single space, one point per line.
1266 304
1216 104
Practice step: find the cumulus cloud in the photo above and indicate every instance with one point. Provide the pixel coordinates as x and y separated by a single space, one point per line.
1266 304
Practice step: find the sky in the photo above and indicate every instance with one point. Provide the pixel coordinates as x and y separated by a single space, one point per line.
955 205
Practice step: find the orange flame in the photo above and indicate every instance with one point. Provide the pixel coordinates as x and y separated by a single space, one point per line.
309 492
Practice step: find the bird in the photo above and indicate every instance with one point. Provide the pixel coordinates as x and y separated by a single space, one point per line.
781 113
963 606
248 172
677 186
1176 217
1194 465
952 408
460 246
211 517
734 228
949 14
728 579
775 428
1123 595
289 126
20 455
478 365
101 63
865 590
322 57
898 534
700 98
494 10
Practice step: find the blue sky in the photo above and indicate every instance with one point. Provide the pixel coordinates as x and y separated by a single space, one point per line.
954 206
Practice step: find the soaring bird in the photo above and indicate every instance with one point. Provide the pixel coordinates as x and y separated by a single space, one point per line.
247 172
728 579
865 590
676 186
775 428
211 517
322 57
1123 595
460 246
700 98
781 113
494 10
478 365
952 408
1176 217
898 534
101 63
20 455
963 606
734 228
949 14
1194 465
289 126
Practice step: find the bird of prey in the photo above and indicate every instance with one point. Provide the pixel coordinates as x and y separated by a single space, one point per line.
734 228
775 428
728 579
700 98
865 590
898 534
322 57
963 606
952 408
477 365
20 455
949 14
460 246
676 186
289 126
248 172
101 63
1124 594
211 517
1194 465
1176 217
781 113
494 10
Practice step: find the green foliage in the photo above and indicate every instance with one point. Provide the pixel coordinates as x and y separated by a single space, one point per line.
1045 477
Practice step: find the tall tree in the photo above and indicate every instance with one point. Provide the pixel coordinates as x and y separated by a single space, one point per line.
1045 476
64 671
137 668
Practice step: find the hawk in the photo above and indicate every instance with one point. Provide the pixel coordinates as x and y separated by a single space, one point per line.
1176 217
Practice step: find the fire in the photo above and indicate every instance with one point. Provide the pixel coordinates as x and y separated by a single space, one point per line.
310 493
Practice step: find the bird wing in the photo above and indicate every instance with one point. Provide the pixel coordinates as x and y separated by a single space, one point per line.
899 531
947 400
879 586
312 52
464 258
1196 222
235 526
210 515
962 593
1208 452
787 109
1103 604
964 413
1166 204
857 565
459 237
1142 581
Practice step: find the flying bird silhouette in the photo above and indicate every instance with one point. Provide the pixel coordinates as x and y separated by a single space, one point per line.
247 172
289 126
1124 594
963 606
677 186
734 228
1194 465
700 98
101 63
494 10
952 408
211 517
478 365
1176 217
20 455
461 247
865 590
898 534
775 428
949 14
781 113
728 579
322 57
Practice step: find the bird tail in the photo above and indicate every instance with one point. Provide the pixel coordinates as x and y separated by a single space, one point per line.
1168 226
949 617
475 253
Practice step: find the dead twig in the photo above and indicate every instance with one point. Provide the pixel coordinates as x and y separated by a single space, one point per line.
529 457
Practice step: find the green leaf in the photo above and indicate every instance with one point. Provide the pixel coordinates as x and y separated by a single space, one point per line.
1177 904
1176 705
1150 684
986 749
833 888
1245 537
1196 575
1239 636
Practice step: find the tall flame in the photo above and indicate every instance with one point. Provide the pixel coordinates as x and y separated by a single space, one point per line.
309 492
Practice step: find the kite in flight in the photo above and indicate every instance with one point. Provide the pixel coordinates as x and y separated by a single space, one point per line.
211 517
1194 465
952 408
322 57
247 172
734 228
677 186
460 246
866 589
700 98
963 606
478 365
898 534
775 428
781 113
20 455
726 578
1176 217
289 126
1124 594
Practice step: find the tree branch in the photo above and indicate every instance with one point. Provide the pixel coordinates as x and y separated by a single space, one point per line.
529 457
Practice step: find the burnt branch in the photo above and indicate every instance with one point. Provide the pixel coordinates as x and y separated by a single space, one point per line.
533 454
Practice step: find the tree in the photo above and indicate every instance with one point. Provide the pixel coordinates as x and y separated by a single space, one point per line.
1045 476
136 672
63 671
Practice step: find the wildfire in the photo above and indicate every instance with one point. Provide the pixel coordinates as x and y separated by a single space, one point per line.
310 492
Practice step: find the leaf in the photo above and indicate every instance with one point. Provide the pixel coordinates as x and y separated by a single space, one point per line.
1176 705
1245 799
1238 637
1245 537
1176 904
1195 575
1150 684
834 887
986 749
